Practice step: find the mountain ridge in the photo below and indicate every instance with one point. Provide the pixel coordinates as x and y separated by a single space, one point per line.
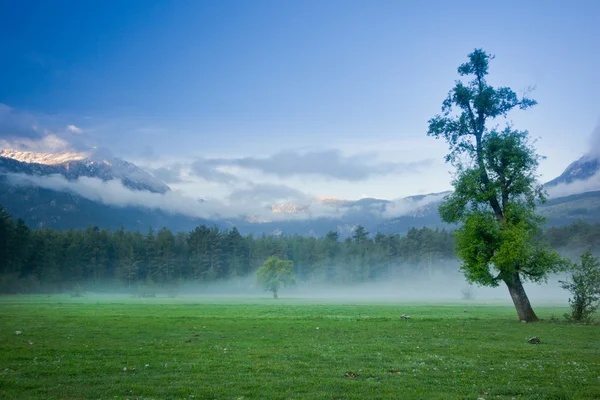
43 208
581 169
73 165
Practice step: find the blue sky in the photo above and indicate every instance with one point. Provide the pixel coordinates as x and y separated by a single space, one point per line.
322 97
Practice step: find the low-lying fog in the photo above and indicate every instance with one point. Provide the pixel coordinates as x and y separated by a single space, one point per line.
439 289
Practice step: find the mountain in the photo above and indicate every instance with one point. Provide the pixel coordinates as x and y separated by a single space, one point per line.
580 170
48 208
75 165
568 209
45 208
376 215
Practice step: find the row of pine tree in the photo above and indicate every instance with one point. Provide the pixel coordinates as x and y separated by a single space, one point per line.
51 260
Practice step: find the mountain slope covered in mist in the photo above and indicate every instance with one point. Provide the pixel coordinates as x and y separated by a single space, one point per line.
46 208
50 207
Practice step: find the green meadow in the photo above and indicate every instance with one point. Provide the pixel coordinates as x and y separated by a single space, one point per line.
203 348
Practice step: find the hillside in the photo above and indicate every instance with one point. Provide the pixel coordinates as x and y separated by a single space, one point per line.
45 208
565 210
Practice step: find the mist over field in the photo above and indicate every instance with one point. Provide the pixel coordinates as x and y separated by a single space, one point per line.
438 289
443 286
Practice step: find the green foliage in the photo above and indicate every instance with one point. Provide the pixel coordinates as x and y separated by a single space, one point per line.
7 231
491 252
45 260
496 188
584 286
274 274
360 234
476 103
575 238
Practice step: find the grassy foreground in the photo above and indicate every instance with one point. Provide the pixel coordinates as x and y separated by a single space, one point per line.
268 349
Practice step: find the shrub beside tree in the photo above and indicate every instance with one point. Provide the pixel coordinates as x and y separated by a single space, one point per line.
584 285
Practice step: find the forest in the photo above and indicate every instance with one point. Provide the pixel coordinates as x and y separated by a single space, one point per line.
50 261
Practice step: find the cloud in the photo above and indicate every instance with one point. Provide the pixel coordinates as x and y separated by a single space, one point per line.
114 193
169 174
267 194
210 172
595 142
254 201
74 129
330 163
410 205
581 186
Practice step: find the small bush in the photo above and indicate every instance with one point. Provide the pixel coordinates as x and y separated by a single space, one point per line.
584 285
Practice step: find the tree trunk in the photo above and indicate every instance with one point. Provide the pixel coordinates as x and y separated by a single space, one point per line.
520 299
275 295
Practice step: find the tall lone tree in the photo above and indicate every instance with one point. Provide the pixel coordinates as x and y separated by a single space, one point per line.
495 187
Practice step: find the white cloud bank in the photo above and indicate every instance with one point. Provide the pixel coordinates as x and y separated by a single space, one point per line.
74 129
244 203
567 189
411 205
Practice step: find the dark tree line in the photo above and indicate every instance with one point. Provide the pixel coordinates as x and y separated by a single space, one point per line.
576 238
52 260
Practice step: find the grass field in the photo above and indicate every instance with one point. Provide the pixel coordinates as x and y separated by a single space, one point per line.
266 349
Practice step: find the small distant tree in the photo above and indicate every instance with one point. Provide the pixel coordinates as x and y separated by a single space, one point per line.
275 273
584 285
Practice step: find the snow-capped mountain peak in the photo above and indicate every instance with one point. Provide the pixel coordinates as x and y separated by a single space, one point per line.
43 158
73 165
